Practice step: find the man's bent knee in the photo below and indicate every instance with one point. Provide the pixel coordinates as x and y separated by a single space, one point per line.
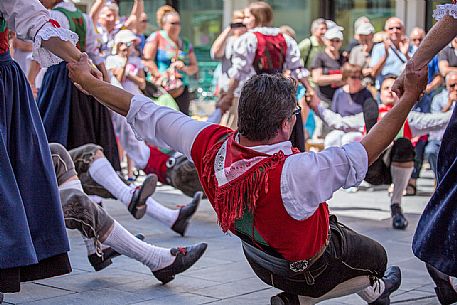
63 164
83 156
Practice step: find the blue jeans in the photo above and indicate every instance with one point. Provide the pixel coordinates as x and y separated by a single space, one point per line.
431 151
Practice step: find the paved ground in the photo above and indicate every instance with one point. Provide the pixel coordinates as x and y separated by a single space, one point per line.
222 276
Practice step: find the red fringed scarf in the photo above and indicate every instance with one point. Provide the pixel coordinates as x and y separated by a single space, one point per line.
237 176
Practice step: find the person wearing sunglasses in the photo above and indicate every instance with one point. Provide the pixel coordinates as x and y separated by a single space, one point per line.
448 58
171 60
390 57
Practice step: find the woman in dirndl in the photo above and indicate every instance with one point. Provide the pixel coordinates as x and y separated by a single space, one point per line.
33 240
69 116
435 240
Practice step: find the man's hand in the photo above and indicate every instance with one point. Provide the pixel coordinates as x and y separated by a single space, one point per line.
80 71
414 80
399 85
223 103
404 46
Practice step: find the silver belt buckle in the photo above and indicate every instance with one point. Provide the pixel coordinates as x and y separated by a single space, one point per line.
299 266
171 162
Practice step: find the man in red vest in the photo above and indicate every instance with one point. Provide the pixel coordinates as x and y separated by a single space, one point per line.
270 196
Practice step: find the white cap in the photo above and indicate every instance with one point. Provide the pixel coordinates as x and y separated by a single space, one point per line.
364 29
334 33
125 36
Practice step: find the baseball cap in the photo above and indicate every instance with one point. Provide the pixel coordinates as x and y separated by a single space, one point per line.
365 29
125 36
334 33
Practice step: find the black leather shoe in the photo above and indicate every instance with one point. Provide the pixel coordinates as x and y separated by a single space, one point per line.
185 258
186 213
137 205
100 263
284 298
399 221
444 290
392 281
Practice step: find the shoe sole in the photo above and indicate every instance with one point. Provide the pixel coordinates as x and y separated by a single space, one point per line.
275 300
138 210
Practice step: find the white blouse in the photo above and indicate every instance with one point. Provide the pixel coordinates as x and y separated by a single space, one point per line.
30 20
445 9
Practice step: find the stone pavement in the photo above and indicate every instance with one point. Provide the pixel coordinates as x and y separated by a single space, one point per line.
222 276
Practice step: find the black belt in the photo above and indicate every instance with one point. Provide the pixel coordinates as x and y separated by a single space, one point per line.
280 266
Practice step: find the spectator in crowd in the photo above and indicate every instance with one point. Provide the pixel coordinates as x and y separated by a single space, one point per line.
285 29
222 50
326 67
416 36
443 102
448 58
361 54
311 46
356 39
349 100
126 68
170 60
434 83
390 57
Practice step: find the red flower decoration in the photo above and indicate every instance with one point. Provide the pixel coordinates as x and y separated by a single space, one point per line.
54 23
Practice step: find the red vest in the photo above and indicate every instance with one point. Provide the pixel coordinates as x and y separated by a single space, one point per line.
4 46
405 131
293 239
157 164
270 53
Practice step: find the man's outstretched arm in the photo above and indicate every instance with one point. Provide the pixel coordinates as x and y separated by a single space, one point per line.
159 126
384 132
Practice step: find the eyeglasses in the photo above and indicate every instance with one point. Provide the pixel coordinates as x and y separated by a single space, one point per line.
395 28
175 23
127 44
452 86
335 40
297 110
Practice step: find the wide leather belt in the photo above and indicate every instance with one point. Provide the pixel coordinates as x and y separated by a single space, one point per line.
279 266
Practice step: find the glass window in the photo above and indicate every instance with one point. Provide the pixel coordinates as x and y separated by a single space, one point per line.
347 11
297 14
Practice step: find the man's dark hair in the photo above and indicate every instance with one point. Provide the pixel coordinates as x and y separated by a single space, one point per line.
266 100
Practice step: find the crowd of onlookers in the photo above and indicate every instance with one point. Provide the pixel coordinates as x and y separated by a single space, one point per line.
347 80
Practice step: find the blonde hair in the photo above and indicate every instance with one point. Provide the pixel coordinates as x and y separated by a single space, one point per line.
262 12
162 12
285 29
237 14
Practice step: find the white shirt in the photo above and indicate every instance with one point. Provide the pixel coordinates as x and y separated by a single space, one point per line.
30 20
91 36
244 54
307 179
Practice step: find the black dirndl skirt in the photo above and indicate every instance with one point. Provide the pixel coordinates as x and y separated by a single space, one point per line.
33 240
73 118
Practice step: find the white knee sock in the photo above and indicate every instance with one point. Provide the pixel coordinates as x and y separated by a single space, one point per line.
126 244
103 173
400 178
453 282
163 214
371 293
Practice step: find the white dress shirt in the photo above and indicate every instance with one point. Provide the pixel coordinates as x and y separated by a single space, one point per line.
307 179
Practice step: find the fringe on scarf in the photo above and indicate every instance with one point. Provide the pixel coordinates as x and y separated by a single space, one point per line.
230 199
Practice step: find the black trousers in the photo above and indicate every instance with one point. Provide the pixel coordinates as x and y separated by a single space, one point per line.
347 256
